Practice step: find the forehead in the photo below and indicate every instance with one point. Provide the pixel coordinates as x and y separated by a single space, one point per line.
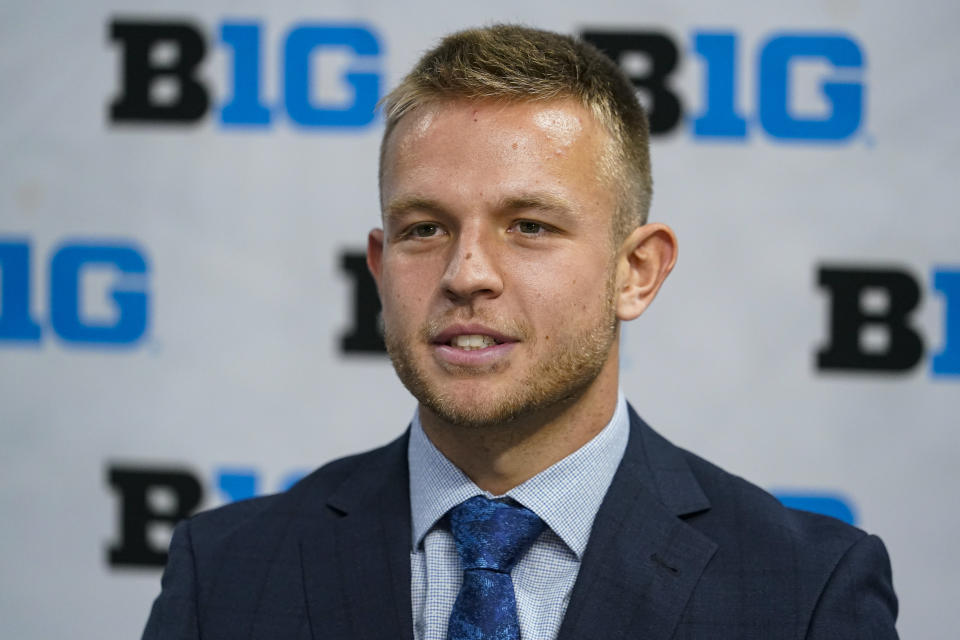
555 143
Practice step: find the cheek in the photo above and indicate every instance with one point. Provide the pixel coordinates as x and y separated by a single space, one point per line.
404 295
559 295
564 278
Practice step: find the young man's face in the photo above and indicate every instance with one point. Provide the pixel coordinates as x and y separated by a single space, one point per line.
496 264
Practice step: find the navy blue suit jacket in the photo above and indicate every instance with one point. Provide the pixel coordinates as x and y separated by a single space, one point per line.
679 549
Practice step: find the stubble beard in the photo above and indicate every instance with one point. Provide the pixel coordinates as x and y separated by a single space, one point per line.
560 376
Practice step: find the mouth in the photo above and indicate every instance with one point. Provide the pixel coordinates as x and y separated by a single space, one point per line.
473 341
471 338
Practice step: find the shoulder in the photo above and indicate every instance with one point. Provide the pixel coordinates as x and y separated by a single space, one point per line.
308 498
739 505
221 560
823 574
729 509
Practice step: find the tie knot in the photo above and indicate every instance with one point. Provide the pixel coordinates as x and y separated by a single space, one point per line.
491 534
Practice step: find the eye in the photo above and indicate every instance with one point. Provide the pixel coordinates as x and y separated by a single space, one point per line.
425 230
530 228
525 226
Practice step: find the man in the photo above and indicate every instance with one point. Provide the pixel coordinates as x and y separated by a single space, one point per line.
526 499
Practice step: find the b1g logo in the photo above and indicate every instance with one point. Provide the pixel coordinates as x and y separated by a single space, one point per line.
776 82
869 320
160 79
152 496
74 268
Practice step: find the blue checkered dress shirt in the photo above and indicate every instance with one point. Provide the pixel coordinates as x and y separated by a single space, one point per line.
566 496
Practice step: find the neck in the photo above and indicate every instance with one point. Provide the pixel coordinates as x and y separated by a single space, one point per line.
499 457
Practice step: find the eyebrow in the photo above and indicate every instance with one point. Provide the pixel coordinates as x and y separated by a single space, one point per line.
537 201
405 204
540 201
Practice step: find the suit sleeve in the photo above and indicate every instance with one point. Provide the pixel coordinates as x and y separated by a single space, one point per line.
858 599
174 612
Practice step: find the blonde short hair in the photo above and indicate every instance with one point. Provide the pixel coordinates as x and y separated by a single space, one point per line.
516 63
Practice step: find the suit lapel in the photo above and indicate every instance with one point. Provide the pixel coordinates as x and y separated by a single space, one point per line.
637 574
643 561
365 555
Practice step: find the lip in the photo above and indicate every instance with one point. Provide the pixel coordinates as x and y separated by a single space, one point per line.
450 332
474 357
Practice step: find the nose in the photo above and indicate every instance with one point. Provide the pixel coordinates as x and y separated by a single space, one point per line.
472 269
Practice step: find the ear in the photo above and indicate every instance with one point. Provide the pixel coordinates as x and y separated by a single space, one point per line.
375 254
644 262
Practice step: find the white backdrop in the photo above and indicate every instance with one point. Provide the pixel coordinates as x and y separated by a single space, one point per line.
232 239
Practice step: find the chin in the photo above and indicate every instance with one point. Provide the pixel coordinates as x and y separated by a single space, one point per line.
472 414
479 408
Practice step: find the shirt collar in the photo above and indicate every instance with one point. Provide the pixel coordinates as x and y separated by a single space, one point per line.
566 495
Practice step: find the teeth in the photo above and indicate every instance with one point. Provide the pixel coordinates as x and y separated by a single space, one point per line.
470 342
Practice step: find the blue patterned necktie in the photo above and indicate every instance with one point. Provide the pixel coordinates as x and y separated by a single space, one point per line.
490 537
